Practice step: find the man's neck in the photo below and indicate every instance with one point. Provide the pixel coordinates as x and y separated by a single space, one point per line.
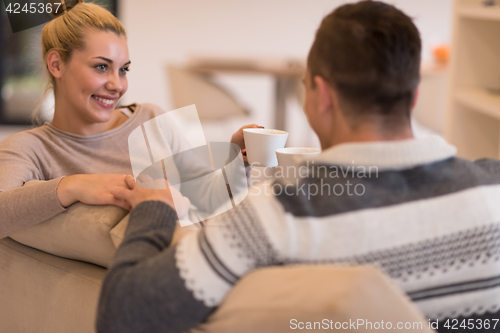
368 133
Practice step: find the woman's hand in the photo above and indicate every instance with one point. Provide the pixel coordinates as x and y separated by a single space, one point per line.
154 191
91 190
238 139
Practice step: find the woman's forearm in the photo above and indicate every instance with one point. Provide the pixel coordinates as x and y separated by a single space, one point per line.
28 205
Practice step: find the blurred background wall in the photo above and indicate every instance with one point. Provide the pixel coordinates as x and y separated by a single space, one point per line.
161 32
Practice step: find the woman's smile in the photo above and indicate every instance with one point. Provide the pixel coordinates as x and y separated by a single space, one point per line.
105 102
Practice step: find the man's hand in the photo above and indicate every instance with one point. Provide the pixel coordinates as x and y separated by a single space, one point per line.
135 194
238 139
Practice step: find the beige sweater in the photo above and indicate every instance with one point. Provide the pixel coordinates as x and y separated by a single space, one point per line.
47 153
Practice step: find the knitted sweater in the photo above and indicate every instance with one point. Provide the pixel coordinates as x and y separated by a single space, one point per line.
430 220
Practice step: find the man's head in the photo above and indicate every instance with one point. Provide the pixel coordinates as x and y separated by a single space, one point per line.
367 56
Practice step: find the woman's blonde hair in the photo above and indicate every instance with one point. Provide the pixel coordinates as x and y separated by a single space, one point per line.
66 32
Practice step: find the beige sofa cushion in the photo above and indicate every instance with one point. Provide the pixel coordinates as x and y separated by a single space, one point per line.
42 293
82 232
268 300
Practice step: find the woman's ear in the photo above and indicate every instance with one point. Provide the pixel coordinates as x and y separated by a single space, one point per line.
55 64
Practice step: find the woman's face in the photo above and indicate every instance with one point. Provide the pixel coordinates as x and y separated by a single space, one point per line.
93 79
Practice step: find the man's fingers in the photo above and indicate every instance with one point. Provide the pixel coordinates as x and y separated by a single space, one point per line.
121 194
129 180
117 196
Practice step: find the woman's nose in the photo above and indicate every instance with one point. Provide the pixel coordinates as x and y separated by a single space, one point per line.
115 83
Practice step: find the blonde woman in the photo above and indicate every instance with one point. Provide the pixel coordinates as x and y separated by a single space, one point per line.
82 154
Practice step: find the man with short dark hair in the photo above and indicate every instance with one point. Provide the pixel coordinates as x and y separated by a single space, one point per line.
369 53
375 195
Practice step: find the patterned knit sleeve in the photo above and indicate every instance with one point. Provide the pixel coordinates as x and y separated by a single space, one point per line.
143 291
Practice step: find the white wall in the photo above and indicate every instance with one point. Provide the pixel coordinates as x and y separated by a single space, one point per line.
161 31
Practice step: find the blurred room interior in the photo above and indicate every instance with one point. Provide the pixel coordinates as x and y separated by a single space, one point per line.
246 41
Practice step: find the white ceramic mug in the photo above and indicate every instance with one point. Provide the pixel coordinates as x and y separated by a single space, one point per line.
261 145
289 158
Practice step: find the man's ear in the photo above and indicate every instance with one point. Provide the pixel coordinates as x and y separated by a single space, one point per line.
55 64
326 96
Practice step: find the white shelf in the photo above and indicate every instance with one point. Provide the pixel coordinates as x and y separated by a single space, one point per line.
473 117
477 12
481 100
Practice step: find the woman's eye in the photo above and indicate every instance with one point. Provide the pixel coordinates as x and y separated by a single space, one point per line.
125 70
101 67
